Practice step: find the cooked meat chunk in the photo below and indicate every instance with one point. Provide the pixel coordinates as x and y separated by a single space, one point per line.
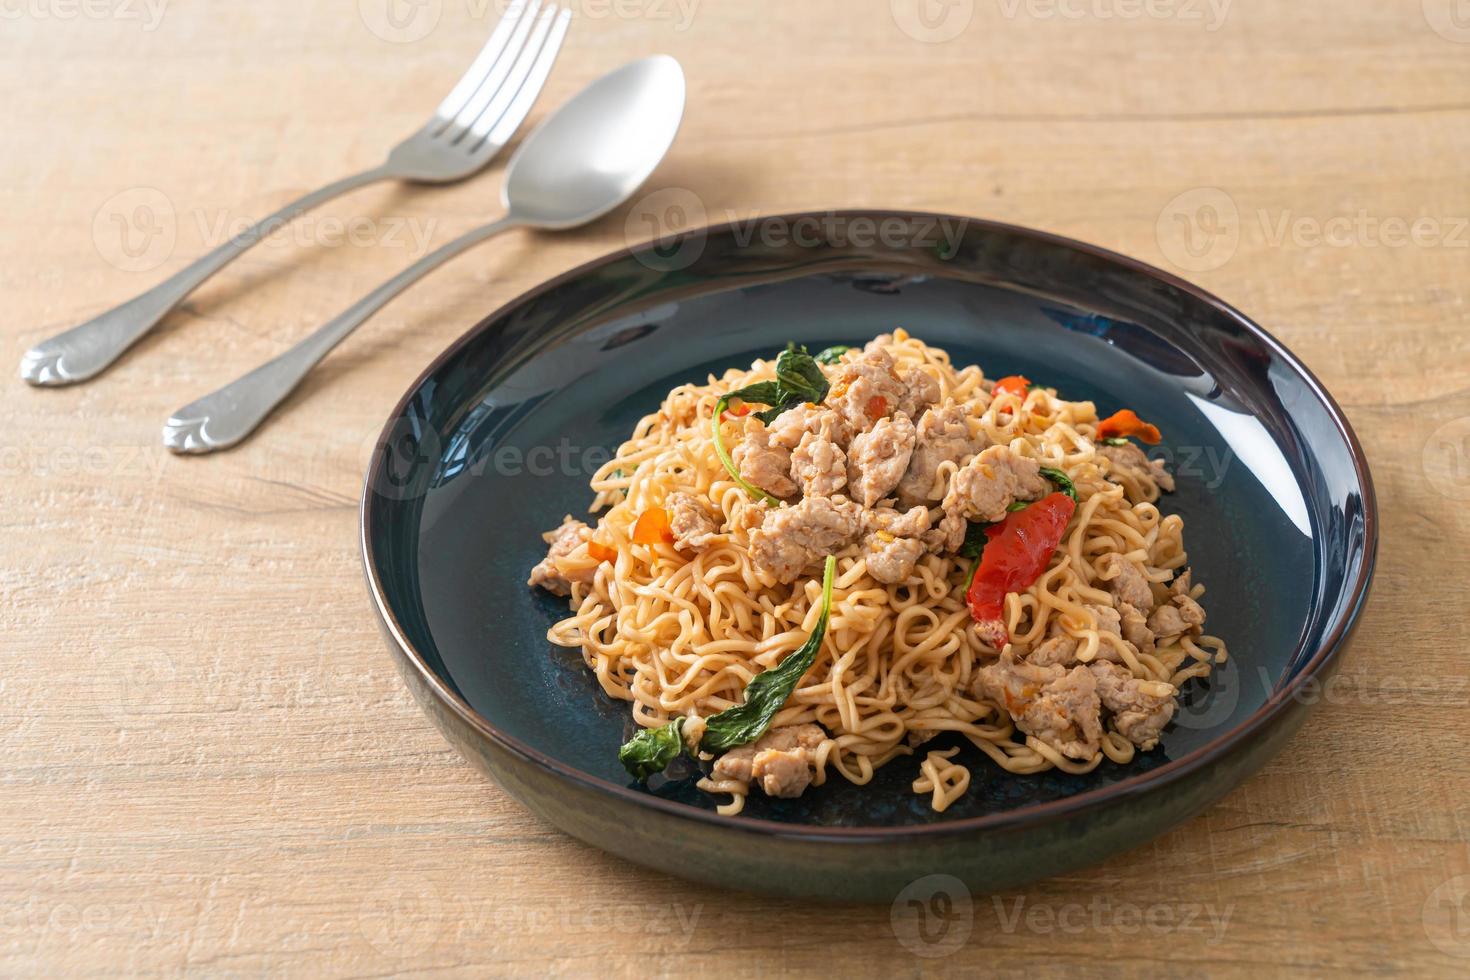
983 488
693 528
1056 706
1140 708
1130 467
818 464
1126 581
794 424
891 560
781 773
760 463
1135 629
920 391
1181 615
868 389
1058 648
792 538
877 459
1108 620
553 573
780 761
894 542
942 436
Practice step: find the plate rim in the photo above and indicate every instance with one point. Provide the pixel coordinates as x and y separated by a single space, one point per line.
1035 814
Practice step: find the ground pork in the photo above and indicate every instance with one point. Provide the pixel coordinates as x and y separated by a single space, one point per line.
920 391
893 542
877 459
765 465
1135 628
818 464
692 525
780 761
1133 469
792 425
793 538
1057 706
868 389
1126 581
1181 615
1140 708
982 489
942 436
552 573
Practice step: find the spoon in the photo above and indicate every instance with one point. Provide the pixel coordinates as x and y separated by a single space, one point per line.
588 157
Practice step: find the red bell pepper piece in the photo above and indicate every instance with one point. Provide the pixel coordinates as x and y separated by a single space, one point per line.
1017 551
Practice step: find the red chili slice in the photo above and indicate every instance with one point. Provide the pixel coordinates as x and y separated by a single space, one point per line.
1017 551
1127 423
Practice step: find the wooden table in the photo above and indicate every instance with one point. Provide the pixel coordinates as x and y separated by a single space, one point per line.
209 763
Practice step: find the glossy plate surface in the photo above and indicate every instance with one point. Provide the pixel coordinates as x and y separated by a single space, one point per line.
498 438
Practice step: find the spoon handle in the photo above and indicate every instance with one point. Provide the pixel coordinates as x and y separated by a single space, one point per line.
227 416
83 352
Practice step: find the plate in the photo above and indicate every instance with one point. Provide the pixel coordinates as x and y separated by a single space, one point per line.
496 441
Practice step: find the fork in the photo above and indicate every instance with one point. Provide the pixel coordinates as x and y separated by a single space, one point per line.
471 126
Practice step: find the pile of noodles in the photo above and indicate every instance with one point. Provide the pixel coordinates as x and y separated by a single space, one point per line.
679 634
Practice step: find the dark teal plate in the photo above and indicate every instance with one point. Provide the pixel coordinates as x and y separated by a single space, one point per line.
496 441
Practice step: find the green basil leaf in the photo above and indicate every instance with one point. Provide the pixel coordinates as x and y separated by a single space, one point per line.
652 749
768 690
760 393
800 377
1063 481
974 540
833 354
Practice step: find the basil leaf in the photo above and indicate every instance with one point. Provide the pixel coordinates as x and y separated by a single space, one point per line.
760 393
798 379
974 540
800 376
768 690
1063 481
832 354
651 750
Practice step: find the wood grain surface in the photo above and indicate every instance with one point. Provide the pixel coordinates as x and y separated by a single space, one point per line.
207 763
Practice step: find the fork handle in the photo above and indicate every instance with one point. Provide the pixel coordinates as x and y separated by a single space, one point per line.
83 352
227 416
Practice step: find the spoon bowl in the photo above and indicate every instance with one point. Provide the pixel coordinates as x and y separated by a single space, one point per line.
599 148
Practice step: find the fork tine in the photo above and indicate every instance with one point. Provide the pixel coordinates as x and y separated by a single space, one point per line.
470 82
502 129
492 83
